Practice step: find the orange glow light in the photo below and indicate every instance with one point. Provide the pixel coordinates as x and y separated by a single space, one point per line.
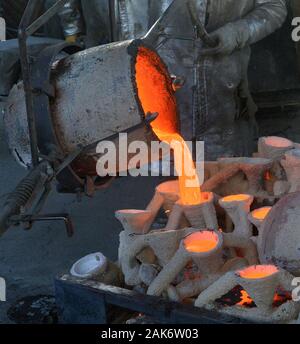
235 198
268 176
201 242
258 271
157 96
278 142
262 213
155 90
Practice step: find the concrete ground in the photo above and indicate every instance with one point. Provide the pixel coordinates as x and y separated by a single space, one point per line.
30 260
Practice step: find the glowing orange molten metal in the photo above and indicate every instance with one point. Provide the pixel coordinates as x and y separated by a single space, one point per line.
262 213
258 271
278 142
280 298
157 96
201 242
245 299
235 198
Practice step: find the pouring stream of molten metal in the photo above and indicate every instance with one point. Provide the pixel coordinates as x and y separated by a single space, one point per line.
184 165
156 95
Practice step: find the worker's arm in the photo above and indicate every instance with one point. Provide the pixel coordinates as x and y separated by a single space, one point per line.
265 18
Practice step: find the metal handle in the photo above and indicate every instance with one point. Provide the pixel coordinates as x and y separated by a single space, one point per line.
201 31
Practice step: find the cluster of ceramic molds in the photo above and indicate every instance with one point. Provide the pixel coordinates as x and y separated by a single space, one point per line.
261 283
156 257
206 250
237 207
140 246
277 158
236 175
138 251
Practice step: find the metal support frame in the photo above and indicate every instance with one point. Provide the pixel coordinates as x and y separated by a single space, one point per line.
19 207
88 302
27 28
38 90
112 19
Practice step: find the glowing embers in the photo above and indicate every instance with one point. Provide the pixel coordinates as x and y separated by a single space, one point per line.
239 297
201 242
261 213
236 297
258 272
246 300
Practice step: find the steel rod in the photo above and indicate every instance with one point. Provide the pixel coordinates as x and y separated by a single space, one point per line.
43 19
25 65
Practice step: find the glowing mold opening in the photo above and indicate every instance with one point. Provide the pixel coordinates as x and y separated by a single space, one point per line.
235 198
278 142
262 213
258 272
201 242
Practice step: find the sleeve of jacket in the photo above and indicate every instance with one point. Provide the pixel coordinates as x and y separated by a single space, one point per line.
265 18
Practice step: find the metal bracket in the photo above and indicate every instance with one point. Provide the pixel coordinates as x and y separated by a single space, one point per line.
46 137
41 76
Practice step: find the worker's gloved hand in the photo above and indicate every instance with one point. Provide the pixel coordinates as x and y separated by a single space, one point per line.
228 38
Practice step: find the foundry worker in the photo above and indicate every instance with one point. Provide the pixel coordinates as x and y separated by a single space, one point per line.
215 105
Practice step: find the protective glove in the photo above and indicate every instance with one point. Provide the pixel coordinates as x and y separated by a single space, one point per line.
231 37
265 18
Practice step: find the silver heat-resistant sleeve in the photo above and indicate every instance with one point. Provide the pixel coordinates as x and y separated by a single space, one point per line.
265 18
